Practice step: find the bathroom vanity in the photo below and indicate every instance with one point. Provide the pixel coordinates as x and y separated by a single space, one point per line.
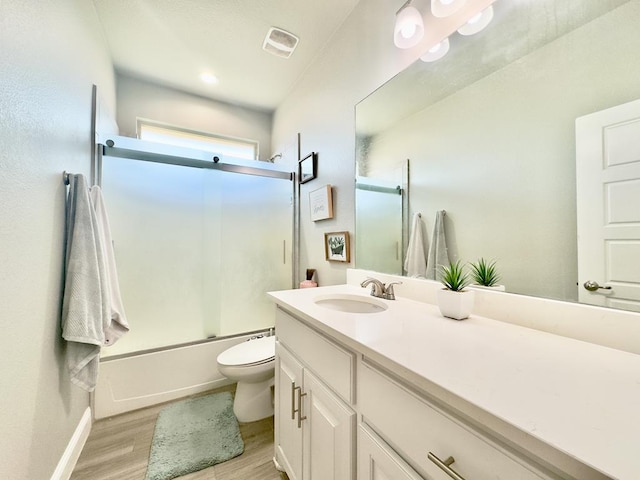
389 389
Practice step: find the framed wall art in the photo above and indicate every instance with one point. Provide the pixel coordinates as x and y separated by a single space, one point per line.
308 167
321 203
336 247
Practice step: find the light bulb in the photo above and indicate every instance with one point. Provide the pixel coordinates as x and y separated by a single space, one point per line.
209 78
477 22
475 18
409 28
408 31
445 8
436 52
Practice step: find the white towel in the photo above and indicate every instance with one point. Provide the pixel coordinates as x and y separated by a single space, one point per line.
86 304
438 255
117 324
415 264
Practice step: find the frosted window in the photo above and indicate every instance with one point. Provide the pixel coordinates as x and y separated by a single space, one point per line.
208 142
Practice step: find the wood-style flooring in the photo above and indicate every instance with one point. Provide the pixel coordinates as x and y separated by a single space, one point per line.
118 449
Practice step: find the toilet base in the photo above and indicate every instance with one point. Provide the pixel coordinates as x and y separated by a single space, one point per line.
253 401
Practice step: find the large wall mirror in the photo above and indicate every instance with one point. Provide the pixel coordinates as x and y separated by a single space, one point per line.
490 133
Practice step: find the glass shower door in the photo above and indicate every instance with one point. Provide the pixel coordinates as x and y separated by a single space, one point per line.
196 249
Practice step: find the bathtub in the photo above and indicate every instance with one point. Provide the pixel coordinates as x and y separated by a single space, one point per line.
130 382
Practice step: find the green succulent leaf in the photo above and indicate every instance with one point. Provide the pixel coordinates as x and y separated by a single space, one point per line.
453 277
485 273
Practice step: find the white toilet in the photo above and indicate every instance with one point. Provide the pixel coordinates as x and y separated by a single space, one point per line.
252 365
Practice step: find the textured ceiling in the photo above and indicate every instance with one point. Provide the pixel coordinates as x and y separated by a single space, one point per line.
172 42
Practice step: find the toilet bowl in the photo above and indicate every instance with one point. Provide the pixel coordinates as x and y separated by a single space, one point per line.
252 365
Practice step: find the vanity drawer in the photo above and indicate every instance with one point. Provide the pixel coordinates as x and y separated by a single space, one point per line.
414 427
329 361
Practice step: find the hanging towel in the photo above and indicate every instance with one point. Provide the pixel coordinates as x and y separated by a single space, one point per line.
85 305
117 324
415 264
438 255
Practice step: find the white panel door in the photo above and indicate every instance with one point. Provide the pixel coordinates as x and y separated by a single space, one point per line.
329 430
288 435
608 206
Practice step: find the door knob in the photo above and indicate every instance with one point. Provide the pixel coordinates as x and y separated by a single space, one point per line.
593 286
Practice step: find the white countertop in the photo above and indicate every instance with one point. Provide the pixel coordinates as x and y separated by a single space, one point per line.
582 399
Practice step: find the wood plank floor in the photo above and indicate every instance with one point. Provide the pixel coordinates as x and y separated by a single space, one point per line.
118 449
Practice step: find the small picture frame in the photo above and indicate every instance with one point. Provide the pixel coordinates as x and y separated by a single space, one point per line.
336 247
308 168
321 203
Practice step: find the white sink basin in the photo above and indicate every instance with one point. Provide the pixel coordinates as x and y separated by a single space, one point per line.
350 303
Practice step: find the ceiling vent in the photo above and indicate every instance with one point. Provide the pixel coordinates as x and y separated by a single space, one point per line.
280 42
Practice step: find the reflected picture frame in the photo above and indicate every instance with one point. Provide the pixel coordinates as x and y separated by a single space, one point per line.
308 168
336 247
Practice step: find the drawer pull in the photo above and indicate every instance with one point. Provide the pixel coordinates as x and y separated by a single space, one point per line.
445 466
299 410
293 400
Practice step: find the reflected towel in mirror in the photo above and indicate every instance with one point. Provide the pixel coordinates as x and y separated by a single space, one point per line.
415 263
438 254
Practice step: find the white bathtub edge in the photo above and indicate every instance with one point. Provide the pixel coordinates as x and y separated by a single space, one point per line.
127 384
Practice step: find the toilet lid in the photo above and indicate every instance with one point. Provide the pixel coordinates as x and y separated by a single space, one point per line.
254 351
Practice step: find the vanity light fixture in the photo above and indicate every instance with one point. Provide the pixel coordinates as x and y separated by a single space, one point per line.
436 52
478 22
444 8
409 27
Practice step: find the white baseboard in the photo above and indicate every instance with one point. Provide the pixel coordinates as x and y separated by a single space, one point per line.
71 454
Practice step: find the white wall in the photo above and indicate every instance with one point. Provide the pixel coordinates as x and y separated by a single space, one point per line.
140 98
51 53
360 57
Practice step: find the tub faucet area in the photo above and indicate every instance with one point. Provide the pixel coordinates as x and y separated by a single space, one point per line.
379 289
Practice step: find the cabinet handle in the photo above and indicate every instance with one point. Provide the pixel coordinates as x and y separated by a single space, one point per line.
293 400
299 410
445 466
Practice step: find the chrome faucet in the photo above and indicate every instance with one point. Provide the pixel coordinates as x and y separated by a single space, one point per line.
378 289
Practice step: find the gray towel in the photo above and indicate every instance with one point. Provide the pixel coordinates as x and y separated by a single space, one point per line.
438 255
85 305
117 322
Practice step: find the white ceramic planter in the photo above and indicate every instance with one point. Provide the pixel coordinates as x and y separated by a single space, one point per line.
456 305
495 288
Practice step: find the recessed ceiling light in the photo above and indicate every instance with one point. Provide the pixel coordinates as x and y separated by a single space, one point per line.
209 78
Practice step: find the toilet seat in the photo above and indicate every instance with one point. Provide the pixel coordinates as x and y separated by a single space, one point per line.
253 352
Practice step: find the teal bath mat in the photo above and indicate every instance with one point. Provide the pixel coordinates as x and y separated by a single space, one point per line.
192 435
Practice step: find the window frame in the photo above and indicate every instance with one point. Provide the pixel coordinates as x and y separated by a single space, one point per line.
245 142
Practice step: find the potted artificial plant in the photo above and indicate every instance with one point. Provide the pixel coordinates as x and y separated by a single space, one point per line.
453 300
485 275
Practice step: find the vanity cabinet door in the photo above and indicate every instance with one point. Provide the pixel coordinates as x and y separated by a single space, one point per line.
377 461
329 433
288 435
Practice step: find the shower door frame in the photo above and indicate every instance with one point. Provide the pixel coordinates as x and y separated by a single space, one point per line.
134 149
